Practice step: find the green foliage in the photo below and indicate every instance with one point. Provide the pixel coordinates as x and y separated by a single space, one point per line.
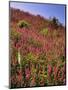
31 57
15 53
61 65
34 70
23 23
44 31
42 58
62 58
23 61
53 62
15 34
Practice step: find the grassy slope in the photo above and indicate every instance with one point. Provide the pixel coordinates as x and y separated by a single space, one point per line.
50 42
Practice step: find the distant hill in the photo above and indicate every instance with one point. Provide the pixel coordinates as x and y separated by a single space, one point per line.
36 21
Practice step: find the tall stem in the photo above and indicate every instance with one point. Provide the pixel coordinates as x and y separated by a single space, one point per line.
19 58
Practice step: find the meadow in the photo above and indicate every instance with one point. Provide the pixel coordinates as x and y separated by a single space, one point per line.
37 50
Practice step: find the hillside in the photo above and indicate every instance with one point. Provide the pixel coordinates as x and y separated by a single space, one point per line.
37 48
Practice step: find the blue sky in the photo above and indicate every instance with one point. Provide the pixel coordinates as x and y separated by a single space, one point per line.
45 10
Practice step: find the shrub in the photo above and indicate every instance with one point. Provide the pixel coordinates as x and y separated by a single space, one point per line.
54 22
31 57
23 23
44 32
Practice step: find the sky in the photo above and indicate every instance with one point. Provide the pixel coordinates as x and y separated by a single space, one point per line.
45 10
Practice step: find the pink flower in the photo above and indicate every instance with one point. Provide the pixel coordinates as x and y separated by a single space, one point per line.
55 72
27 72
49 69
